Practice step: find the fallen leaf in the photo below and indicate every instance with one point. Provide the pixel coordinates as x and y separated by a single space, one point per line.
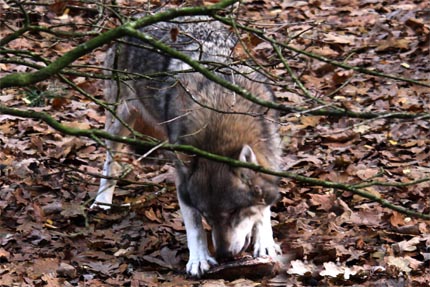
332 37
331 269
399 262
393 43
323 201
310 121
4 255
299 268
408 245
104 267
397 219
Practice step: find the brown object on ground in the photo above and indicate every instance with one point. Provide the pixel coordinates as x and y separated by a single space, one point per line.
246 267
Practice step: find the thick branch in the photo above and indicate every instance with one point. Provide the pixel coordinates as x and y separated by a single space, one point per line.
203 70
25 79
95 133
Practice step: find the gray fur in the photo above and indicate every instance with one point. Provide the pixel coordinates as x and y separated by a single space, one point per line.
186 108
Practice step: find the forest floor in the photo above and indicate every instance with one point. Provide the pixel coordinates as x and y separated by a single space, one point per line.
49 237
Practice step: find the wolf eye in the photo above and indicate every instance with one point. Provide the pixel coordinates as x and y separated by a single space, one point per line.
234 211
244 177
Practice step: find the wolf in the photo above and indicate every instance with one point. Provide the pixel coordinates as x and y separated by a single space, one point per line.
162 96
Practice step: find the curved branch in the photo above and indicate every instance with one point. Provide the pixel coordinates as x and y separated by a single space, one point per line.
91 133
25 79
246 94
203 70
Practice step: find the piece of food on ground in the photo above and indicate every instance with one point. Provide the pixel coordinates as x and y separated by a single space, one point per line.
246 267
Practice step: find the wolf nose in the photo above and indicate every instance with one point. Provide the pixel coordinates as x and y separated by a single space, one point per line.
223 254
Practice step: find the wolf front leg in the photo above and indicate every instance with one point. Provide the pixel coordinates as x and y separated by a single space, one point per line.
200 259
107 185
111 168
264 245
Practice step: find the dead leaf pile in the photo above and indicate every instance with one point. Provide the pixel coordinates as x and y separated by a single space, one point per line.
48 237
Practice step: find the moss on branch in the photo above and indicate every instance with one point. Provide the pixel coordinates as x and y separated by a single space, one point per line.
96 134
26 79
131 29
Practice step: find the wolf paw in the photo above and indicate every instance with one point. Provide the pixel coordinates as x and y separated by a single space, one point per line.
101 203
104 197
266 247
198 265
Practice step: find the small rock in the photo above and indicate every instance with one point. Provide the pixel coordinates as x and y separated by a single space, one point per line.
51 208
66 270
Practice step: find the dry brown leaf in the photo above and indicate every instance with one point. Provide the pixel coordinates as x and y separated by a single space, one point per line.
151 215
323 201
4 255
310 121
44 266
397 219
393 43
332 37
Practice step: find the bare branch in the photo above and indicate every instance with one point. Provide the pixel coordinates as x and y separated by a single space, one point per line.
90 133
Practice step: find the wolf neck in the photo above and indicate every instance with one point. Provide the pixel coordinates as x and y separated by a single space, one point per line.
223 134
215 119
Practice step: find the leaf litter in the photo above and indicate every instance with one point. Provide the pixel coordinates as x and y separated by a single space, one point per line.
48 237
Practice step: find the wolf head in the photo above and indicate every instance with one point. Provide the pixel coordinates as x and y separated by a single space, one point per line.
232 200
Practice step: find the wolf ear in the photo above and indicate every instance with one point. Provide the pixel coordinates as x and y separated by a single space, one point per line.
247 155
